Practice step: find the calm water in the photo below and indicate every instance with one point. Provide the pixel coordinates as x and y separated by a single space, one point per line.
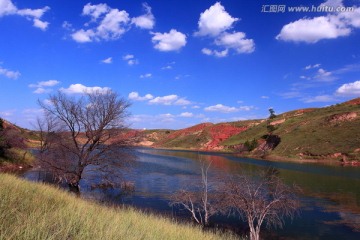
330 200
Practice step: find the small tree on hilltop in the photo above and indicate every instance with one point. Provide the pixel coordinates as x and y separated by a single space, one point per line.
85 132
261 199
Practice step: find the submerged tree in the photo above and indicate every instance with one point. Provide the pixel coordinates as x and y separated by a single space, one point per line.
85 132
261 199
201 202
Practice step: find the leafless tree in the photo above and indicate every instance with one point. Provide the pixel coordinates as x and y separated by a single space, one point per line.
264 198
201 203
84 132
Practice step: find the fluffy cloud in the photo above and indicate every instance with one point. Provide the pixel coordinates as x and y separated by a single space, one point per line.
146 21
165 100
170 100
107 60
170 41
8 8
313 30
349 89
215 53
225 109
111 24
221 108
186 114
130 59
236 41
136 97
44 86
214 21
9 74
79 88
49 83
95 11
324 75
331 26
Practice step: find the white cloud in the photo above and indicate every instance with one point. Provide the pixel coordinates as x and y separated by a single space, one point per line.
221 108
215 53
35 13
79 88
9 74
130 59
136 97
313 30
95 11
236 41
111 24
8 8
44 86
186 114
49 83
331 26
320 98
312 66
83 36
264 97
147 75
226 109
170 41
146 21
107 60
182 102
214 21
165 100
41 24
324 75
349 89
168 67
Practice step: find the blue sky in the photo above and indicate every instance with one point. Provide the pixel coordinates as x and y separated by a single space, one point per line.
179 62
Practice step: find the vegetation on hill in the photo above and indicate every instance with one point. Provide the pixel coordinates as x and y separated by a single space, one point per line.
13 144
314 133
35 211
330 132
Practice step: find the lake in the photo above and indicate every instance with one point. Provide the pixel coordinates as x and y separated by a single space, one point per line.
330 198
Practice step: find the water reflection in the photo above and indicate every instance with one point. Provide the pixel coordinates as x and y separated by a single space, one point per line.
331 194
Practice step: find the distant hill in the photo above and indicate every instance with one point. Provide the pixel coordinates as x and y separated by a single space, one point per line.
315 133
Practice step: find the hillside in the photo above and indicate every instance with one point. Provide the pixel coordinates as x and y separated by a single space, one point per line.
36 211
316 133
204 136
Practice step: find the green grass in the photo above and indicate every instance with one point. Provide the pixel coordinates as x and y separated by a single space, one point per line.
36 211
310 133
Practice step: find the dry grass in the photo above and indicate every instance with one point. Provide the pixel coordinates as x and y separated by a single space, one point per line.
36 211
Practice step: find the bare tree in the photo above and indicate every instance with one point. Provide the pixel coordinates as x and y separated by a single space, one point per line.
261 199
200 202
84 132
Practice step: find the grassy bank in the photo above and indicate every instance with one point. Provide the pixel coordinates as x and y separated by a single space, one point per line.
35 211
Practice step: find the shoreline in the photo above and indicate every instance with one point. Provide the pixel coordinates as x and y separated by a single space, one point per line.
272 158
